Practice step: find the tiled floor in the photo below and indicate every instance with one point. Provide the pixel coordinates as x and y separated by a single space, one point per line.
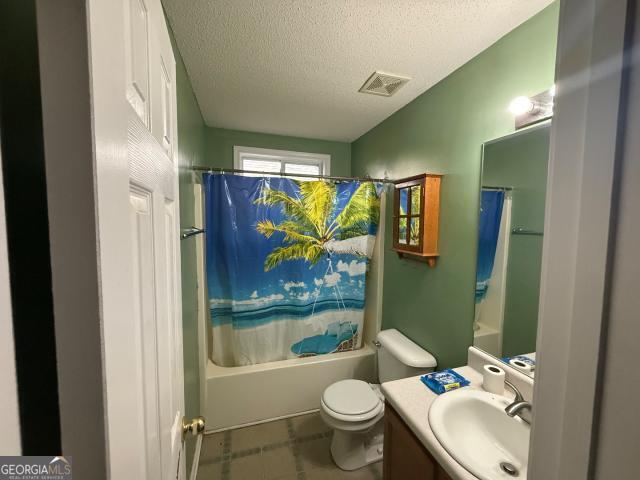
292 449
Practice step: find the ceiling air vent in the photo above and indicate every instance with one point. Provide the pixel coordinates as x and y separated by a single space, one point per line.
384 84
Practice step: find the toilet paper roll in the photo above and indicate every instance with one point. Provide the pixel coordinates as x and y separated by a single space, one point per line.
520 365
493 379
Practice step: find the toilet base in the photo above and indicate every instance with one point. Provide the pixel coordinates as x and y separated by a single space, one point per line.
353 450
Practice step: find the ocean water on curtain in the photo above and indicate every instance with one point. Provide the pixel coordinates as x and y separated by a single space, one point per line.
286 263
491 202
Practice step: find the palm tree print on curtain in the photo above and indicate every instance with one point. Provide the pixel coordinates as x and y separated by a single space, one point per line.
314 227
286 263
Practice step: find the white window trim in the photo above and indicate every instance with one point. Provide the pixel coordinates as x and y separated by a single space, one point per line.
283 156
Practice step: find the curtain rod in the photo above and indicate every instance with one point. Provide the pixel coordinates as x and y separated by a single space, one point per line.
282 174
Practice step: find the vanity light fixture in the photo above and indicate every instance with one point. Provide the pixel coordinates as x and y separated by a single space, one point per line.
521 105
530 110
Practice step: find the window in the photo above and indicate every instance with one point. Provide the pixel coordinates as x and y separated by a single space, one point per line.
281 161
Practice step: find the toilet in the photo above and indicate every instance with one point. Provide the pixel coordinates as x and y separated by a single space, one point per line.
354 409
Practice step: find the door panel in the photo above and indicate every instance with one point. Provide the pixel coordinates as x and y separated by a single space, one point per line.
166 114
163 109
137 57
144 324
169 357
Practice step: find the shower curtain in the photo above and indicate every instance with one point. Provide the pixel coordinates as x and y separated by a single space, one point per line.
286 263
491 203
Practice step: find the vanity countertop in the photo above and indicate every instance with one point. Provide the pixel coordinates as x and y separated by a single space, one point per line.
411 399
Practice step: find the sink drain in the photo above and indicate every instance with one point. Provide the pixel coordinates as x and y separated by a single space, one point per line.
509 469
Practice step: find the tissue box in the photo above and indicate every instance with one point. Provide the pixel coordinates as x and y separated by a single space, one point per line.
441 382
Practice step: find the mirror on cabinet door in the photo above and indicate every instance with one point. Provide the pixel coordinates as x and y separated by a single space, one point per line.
511 223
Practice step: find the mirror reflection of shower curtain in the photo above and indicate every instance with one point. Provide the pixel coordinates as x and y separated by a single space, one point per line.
491 204
286 263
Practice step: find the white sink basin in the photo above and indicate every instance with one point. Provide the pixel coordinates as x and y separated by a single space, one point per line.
474 429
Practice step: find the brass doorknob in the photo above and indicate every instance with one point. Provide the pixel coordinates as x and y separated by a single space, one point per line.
194 426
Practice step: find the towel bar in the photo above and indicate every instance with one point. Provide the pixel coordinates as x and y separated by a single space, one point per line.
525 231
190 232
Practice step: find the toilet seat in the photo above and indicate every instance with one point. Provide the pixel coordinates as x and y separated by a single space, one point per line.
351 401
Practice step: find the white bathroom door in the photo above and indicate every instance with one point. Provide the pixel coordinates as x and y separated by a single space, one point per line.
135 129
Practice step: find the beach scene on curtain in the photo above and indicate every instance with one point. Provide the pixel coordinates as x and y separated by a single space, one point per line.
286 265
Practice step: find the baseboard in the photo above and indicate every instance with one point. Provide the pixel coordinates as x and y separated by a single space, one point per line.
208 432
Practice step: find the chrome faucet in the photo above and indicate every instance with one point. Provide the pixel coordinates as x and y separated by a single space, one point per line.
519 403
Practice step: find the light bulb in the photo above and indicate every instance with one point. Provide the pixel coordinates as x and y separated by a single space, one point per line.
521 105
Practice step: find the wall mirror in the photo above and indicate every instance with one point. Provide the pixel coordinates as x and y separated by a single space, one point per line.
511 222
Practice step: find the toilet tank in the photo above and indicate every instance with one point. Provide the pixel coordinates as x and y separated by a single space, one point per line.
399 357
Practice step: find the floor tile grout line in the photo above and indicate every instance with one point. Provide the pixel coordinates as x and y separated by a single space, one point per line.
227 444
269 447
295 450
290 429
293 443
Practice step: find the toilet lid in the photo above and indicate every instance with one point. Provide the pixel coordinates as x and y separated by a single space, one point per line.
350 397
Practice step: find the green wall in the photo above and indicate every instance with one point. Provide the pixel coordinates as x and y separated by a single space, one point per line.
521 162
219 143
442 131
191 130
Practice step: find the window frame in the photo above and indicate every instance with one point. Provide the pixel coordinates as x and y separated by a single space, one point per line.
322 160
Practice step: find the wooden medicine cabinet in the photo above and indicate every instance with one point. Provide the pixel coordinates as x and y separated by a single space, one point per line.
415 217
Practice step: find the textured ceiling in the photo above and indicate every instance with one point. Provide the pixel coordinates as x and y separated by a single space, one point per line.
294 67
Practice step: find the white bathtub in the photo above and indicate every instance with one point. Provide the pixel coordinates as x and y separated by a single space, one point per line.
256 393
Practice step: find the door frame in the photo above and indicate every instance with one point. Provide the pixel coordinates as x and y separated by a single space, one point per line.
68 145
579 221
590 32
27 235
10 438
